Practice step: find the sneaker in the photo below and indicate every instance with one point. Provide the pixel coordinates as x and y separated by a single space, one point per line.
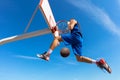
103 65
44 56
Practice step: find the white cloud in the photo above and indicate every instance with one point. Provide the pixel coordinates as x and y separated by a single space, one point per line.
99 15
26 57
72 63
118 2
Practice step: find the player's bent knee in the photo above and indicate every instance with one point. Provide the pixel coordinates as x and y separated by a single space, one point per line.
58 38
79 58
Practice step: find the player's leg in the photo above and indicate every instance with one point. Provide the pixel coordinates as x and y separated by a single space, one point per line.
84 59
100 63
54 44
77 50
64 37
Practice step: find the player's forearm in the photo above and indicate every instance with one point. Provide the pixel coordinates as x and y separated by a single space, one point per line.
72 24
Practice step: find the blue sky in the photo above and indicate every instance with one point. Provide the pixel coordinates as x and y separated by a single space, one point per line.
100 27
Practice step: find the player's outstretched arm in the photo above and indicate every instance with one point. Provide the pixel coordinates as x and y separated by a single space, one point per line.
72 24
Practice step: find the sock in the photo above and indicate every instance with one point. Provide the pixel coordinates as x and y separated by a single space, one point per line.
93 61
49 51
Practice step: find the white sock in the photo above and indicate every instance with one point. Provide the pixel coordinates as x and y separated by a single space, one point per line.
93 61
50 51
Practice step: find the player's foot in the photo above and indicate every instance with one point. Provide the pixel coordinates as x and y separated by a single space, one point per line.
44 56
103 65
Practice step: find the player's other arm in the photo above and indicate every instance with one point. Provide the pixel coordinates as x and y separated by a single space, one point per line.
72 23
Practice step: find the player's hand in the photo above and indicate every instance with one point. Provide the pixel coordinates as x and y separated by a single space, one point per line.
54 29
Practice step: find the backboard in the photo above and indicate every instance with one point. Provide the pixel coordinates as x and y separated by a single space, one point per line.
47 13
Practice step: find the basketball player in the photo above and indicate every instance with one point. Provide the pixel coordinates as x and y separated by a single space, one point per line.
74 38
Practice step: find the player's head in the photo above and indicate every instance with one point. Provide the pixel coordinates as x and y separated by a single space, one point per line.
73 20
70 22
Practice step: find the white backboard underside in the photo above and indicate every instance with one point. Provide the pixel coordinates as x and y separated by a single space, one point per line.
47 13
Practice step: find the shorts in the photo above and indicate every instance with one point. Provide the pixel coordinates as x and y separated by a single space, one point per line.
75 40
